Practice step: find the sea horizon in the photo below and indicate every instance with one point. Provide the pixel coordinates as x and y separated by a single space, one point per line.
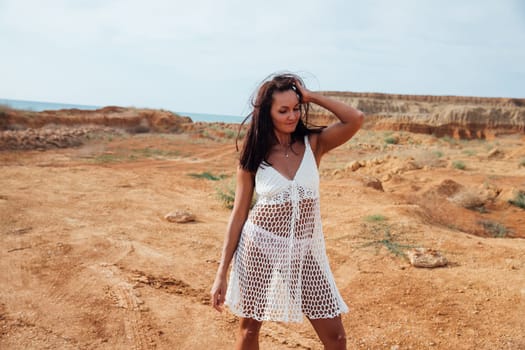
39 106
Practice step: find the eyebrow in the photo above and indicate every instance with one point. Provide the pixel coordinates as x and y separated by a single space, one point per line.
286 106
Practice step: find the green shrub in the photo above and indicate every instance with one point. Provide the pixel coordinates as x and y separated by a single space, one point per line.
438 154
495 229
459 164
391 140
480 209
375 218
230 133
518 200
208 176
388 240
226 194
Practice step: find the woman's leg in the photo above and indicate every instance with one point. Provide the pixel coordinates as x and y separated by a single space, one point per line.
248 335
331 332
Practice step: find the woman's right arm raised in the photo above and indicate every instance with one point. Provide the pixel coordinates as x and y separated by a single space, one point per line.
241 207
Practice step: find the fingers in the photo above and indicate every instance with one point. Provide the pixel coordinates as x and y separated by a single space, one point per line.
303 91
218 293
218 305
217 300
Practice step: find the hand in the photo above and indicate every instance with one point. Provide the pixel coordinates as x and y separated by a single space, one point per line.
218 292
305 93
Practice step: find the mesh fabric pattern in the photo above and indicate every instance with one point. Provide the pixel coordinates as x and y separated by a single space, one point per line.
280 271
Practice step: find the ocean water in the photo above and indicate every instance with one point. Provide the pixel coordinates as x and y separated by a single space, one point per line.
37 106
41 106
212 118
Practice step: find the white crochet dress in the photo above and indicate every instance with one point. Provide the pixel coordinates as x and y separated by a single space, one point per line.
280 270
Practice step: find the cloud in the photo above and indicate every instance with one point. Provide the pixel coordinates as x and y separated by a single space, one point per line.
174 54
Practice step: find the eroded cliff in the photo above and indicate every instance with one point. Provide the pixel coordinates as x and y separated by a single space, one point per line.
457 116
70 127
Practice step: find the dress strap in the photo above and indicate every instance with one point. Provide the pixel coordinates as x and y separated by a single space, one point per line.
307 141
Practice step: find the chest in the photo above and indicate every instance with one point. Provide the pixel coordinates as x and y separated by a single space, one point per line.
269 181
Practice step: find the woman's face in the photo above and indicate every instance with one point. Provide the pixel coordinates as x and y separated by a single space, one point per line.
285 111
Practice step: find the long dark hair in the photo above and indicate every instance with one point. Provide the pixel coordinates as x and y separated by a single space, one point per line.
260 136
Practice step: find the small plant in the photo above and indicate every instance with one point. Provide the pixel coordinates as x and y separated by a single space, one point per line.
438 154
469 152
522 163
518 200
388 241
383 235
230 133
480 209
208 176
226 194
459 164
391 140
375 218
495 229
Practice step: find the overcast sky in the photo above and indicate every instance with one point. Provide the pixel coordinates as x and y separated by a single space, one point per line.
208 55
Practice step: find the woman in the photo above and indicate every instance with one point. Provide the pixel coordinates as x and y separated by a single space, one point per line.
280 271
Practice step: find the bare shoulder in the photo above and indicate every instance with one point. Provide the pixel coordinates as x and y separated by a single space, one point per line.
245 176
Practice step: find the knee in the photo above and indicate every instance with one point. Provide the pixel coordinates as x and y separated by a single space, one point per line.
341 339
249 329
336 341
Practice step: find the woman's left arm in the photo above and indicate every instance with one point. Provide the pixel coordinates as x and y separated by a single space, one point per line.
350 121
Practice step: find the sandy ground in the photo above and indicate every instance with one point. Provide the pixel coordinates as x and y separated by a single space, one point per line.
88 261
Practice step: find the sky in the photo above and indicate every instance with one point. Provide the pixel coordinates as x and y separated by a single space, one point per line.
208 56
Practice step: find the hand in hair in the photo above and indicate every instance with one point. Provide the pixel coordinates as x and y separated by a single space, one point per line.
303 92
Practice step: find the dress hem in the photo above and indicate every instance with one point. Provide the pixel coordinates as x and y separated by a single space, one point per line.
294 320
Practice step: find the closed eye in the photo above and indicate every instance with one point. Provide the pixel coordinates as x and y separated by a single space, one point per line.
296 108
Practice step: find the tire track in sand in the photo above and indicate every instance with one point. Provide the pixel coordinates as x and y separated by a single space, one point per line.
123 295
